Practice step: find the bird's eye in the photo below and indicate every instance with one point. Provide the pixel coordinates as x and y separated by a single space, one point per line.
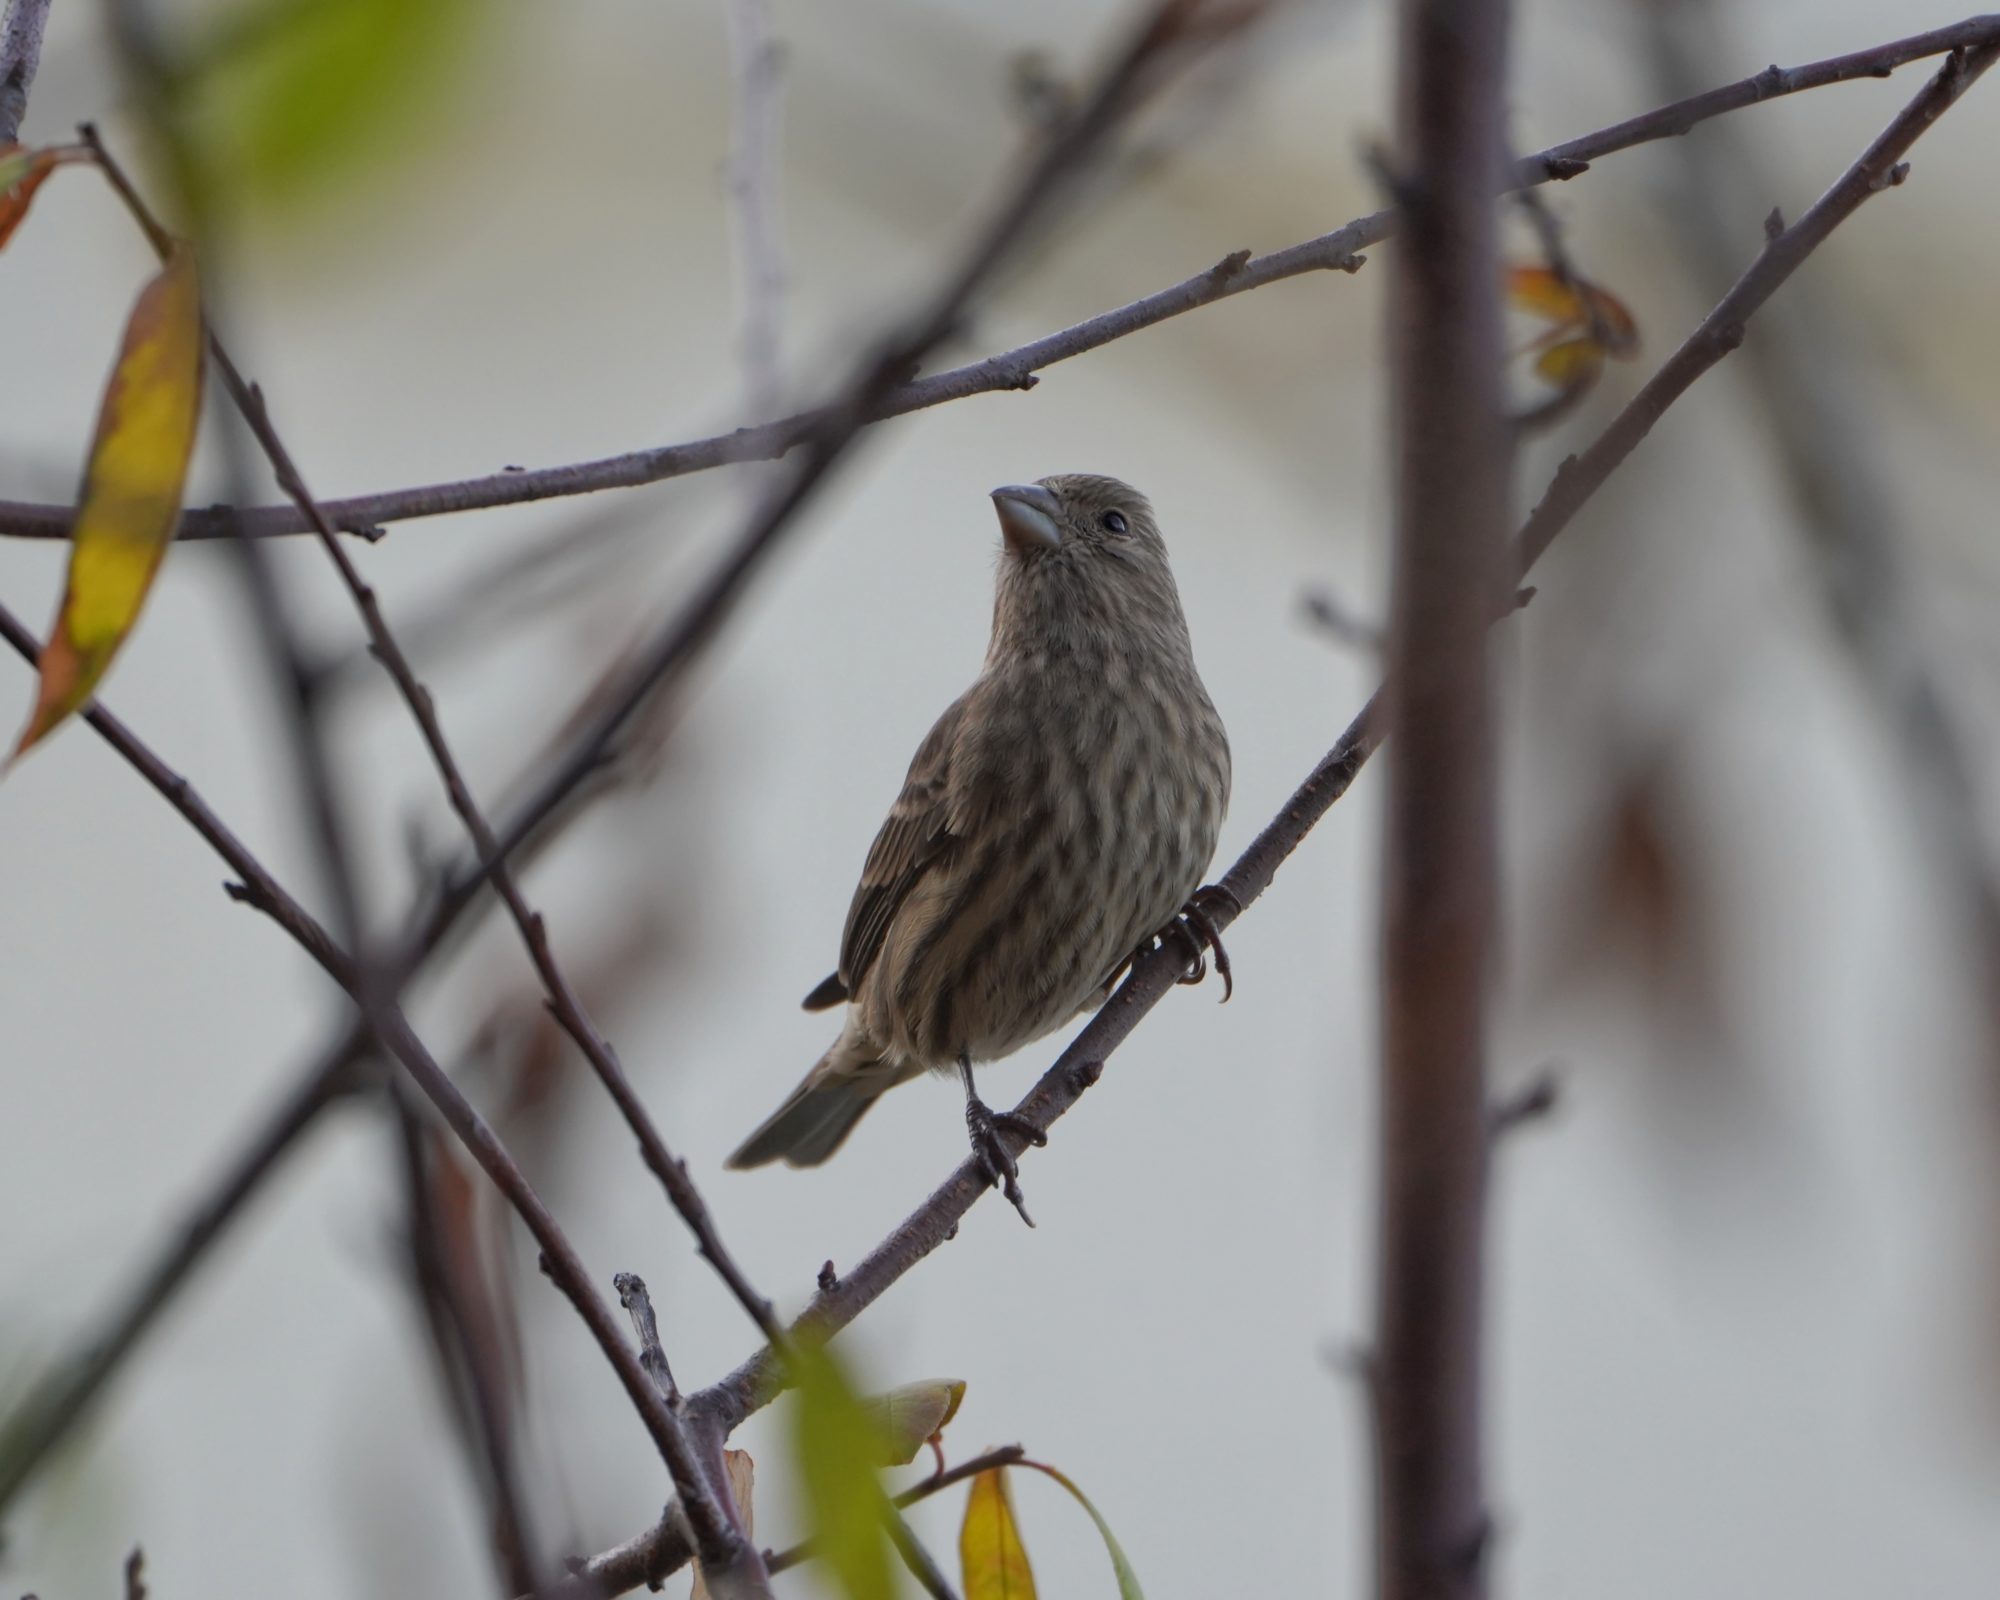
1113 521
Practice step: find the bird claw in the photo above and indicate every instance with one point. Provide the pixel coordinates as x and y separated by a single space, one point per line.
987 1128
1195 926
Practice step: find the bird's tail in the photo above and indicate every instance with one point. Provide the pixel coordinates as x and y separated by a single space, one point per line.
818 1115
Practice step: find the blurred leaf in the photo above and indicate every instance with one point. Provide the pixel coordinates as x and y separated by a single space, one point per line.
293 91
1571 363
742 1486
1585 326
131 490
21 173
1128 1580
1573 302
910 1417
993 1564
836 1445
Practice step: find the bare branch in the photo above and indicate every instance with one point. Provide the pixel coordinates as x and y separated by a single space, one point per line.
20 56
461 1309
1440 874
757 60
1005 1456
638 1306
841 1300
1015 369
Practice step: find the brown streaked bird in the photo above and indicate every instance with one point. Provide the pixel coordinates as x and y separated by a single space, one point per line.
1055 822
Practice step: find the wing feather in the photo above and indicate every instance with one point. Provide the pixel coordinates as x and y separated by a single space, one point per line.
914 838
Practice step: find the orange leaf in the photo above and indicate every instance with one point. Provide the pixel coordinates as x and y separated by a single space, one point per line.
21 173
992 1560
1541 292
131 500
1573 304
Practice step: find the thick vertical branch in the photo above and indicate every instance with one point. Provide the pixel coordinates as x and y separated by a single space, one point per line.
20 55
1451 444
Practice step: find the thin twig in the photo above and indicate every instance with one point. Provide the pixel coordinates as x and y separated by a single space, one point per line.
466 1338
20 56
1005 1456
563 999
254 885
757 61
561 1261
915 1557
1015 369
638 1306
1531 1102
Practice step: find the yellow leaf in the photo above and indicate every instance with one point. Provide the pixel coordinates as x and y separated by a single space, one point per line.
910 1417
132 482
1571 363
993 1564
742 1485
836 1446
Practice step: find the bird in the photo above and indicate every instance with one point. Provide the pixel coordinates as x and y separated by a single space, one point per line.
1055 823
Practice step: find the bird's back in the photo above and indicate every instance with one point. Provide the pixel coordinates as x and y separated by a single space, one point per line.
1086 788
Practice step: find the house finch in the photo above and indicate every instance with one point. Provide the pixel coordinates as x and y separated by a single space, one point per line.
1054 821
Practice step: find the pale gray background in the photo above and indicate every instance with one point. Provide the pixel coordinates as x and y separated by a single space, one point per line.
1743 1287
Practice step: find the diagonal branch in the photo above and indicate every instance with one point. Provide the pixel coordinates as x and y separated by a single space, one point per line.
1015 369
563 1000
840 1300
720 1545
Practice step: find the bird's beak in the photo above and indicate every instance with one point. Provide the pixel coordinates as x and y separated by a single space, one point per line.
1029 517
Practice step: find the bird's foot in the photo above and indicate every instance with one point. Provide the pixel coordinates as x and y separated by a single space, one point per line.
1195 927
988 1129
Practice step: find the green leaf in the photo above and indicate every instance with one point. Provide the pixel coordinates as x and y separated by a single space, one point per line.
1128 1580
910 1417
293 91
836 1445
993 1563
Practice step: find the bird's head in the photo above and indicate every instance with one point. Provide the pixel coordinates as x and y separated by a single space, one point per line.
1081 551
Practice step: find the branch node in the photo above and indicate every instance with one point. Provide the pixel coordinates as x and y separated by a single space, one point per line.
1229 266
1561 169
1893 178
1533 1101
1084 1074
1771 81
1350 264
829 1280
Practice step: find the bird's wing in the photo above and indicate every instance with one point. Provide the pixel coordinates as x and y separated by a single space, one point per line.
915 836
